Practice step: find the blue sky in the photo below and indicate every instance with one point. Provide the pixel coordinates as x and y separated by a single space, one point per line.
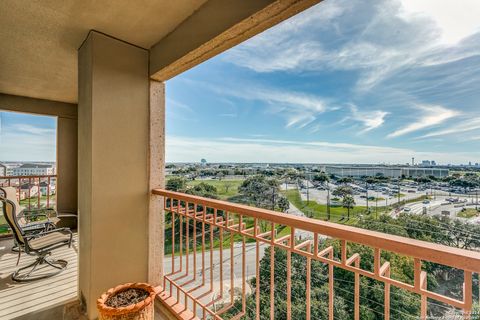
343 82
347 81
25 137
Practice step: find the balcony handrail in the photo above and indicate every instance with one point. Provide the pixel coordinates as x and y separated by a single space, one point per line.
32 181
438 253
29 177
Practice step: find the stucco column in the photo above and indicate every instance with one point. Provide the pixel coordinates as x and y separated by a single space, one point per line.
157 180
67 165
113 165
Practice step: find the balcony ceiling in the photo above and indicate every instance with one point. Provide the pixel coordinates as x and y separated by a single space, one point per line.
39 39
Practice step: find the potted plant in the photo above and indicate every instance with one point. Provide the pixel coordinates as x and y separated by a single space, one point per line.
132 301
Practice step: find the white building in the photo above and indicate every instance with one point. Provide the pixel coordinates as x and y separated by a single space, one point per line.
32 169
391 172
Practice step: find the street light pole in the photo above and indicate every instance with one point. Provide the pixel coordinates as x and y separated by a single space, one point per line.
328 202
366 192
308 194
273 198
399 191
476 199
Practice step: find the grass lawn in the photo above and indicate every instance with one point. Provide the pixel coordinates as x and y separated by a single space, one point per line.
225 188
468 213
319 211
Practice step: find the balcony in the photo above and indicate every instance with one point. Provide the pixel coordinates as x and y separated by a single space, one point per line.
205 236
30 300
100 70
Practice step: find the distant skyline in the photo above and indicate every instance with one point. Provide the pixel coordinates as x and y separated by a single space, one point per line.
343 82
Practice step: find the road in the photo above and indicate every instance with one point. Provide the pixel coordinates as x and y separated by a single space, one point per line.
439 204
188 283
299 234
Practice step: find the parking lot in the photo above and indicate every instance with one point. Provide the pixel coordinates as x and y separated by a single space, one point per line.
441 199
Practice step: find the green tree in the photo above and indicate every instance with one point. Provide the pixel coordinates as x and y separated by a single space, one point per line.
203 190
321 178
348 202
342 191
260 191
176 184
283 203
345 180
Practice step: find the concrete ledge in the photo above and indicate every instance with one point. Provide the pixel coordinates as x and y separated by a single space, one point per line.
167 308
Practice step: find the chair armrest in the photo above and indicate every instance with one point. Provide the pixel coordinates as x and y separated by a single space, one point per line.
56 230
31 214
36 235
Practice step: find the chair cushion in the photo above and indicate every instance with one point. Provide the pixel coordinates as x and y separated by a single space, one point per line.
49 239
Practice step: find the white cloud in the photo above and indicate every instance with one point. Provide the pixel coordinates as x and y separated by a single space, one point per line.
299 109
181 149
29 129
432 116
393 36
369 119
459 127
228 115
456 19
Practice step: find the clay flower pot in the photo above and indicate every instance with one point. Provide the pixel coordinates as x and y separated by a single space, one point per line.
142 310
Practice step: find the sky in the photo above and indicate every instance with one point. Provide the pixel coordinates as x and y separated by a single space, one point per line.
25 137
347 81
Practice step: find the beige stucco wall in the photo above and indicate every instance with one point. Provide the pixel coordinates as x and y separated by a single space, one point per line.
113 147
66 114
67 165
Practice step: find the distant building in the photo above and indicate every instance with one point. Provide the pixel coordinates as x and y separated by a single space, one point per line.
425 172
3 170
203 162
45 188
433 163
426 163
391 172
28 190
32 169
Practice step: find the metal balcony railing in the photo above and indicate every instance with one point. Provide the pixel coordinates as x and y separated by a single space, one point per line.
33 191
209 279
